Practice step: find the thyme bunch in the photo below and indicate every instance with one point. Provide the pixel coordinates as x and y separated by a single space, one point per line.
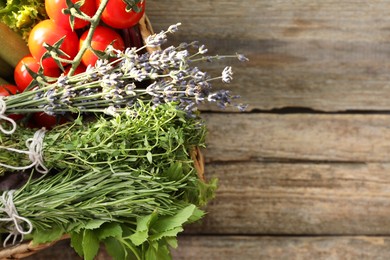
142 136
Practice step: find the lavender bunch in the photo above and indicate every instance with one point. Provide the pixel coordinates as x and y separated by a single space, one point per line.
112 85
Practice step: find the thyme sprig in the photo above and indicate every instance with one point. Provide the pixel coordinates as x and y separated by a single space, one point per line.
141 136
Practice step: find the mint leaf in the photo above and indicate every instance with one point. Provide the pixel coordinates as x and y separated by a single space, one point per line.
114 248
76 240
163 253
171 222
90 245
109 230
151 252
141 233
41 236
157 251
196 215
171 241
168 233
94 224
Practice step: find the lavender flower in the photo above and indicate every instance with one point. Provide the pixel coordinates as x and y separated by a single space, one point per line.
156 40
227 75
173 28
111 110
170 75
241 57
202 49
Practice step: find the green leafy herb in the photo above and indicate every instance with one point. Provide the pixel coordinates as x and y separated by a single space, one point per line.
22 15
90 244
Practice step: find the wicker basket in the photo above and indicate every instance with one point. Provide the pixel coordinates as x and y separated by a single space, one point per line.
27 248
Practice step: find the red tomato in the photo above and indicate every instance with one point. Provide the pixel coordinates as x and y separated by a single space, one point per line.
49 32
115 14
23 78
102 37
54 11
80 69
6 90
41 119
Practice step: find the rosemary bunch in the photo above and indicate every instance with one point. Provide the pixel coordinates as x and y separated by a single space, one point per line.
103 207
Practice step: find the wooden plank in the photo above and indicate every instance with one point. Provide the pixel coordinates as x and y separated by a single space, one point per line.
245 248
256 247
300 199
326 55
318 137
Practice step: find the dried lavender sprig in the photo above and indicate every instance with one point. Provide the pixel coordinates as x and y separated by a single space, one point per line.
170 71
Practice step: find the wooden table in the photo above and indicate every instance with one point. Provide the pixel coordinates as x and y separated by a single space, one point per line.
304 173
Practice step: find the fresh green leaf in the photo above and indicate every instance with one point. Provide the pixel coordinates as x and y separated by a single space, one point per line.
94 224
151 252
47 235
196 215
157 251
146 142
111 229
163 253
76 240
75 227
114 248
175 171
90 245
142 232
167 233
171 222
171 241
149 156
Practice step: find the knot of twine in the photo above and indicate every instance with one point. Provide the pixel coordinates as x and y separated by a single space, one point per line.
3 108
35 153
15 229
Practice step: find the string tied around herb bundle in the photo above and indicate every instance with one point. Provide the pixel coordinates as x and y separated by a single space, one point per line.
35 153
3 116
15 229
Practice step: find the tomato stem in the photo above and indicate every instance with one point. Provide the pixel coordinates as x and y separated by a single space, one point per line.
87 43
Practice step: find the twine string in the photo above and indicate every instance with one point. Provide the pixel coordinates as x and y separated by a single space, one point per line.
15 229
35 153
35 145
3 108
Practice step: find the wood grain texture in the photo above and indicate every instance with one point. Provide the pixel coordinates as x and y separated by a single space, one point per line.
317 137
292 186
324 55
294 248
299 199
254 247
